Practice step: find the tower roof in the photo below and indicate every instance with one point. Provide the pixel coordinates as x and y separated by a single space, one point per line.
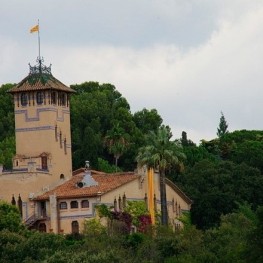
40 78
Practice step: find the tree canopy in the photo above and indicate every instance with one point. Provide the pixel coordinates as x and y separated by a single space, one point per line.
160 153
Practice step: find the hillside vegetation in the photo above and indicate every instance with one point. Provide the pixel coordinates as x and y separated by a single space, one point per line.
223 177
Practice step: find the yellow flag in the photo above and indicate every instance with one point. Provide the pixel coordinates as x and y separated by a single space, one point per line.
34 29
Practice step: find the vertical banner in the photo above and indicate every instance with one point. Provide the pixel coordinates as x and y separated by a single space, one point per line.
151 194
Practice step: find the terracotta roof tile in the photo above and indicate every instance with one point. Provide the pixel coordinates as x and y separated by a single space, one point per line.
106 183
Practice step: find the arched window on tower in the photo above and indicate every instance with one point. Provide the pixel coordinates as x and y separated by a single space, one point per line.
53 97
40 97
17 99
44 162
63 99
24 99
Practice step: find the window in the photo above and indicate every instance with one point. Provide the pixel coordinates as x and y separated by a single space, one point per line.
75 227
63 99
62 177
42 227
74 204
44 162
63 205
40 97
56 132
60 139
85 204
53 97
24 99
65 146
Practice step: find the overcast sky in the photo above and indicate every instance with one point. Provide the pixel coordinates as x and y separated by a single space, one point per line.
189 59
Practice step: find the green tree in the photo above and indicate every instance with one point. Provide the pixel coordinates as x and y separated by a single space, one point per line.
7 151
229 241
255 239
222 129
10 217
136 209
161 153
117 142
185 141
147 120
95 109
7 122
215 188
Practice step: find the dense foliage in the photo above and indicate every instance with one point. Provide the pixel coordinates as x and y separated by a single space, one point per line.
104 127
238 238
220 176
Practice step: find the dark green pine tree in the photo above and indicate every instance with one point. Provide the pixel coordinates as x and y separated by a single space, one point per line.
222 129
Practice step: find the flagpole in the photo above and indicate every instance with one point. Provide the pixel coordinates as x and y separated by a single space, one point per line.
38 40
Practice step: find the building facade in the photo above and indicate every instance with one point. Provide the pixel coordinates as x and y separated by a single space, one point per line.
68 206
43 138
50 196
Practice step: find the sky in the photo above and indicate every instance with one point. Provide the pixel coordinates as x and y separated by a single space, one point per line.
191 60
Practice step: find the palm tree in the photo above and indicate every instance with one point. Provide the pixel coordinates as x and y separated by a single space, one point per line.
160 153
117 142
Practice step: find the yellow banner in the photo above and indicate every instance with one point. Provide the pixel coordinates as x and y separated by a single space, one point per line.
34 29
151 194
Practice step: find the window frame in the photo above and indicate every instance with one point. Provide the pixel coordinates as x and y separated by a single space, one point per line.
24 99
63 205
74 204
85 203
40 97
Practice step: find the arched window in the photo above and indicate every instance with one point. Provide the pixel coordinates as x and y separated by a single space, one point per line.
53 97
63 205
85 204
42 227
62 177
75 227
24 99
74 204
63 99
40 97
44 162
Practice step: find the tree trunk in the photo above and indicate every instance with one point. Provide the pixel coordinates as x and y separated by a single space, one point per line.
164 211
116 163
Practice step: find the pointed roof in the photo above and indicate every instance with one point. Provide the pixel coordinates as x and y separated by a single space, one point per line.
106 183
40 78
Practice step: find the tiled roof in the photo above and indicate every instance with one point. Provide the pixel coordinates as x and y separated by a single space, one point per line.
106 183
40 81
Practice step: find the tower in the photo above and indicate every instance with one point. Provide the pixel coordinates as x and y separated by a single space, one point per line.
42 124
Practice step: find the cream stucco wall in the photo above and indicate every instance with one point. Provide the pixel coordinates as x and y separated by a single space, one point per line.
41 130
134 191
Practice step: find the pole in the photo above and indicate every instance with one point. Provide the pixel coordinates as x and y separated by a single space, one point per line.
38 40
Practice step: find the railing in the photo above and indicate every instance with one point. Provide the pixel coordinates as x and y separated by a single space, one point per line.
31 220
15 170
